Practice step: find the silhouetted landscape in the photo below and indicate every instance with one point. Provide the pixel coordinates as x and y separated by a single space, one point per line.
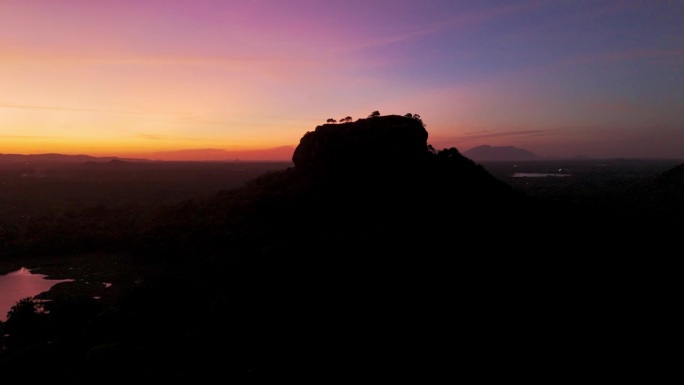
370 254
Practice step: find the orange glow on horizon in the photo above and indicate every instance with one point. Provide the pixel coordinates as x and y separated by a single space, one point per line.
145 78
134 150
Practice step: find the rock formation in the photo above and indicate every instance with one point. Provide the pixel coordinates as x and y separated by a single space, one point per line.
363 144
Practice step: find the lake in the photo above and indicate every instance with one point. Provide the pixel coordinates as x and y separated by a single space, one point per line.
535 174
20 284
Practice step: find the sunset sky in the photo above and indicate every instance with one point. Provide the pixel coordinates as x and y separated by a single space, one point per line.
152 78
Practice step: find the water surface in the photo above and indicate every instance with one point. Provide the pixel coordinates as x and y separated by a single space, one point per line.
536 174
20 284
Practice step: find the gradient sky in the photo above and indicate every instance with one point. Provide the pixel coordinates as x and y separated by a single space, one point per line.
153 77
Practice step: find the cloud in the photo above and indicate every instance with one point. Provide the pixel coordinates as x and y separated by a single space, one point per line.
152 137
22 137
499 135
281 153
60 108
622 56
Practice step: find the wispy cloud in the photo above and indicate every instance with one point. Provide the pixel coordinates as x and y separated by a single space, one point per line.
152 137
621 56
459 21
506 134
490 137
70 109
22 137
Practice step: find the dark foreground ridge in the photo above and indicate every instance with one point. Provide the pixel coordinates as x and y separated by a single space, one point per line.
375 255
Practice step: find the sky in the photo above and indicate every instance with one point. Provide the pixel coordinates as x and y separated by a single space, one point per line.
225 79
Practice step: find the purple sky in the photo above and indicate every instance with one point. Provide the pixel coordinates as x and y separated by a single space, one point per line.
149 78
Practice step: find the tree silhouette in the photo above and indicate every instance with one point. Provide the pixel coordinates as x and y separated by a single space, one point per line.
331 120
26 324
374 114
348 119
417 117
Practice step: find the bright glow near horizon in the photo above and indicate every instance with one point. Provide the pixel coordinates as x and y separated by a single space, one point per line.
151 78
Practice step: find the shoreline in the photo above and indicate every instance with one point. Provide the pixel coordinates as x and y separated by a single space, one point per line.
100 275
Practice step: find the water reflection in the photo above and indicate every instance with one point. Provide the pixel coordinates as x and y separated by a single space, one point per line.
536 174
21 284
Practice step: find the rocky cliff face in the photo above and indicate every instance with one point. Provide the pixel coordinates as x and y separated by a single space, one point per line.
364 144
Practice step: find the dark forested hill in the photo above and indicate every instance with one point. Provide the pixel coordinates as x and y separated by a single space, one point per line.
374 255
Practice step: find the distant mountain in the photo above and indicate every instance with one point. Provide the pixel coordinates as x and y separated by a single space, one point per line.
275 154
210 154
61 158
487 152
